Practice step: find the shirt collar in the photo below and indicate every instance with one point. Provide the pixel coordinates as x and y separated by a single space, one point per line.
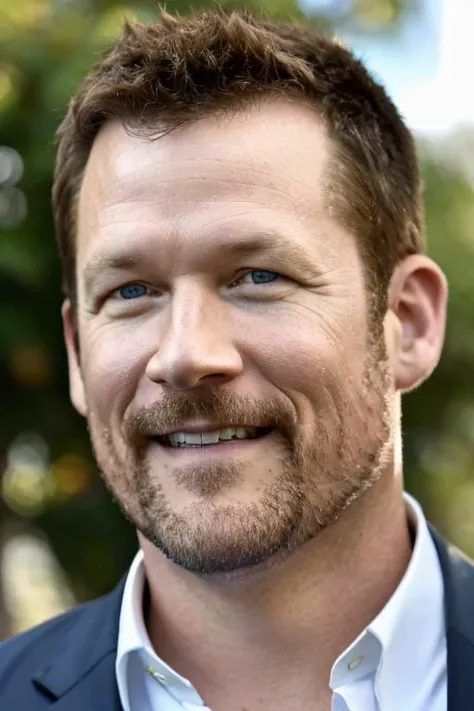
389 648
384 649
134 642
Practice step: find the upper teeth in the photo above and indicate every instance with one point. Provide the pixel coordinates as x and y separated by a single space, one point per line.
179 439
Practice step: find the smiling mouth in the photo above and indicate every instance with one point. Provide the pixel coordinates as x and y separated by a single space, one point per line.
186 440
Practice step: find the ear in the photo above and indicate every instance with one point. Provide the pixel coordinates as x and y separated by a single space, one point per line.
417 299
76 385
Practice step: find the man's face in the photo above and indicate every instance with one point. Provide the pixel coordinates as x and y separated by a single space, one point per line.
237 398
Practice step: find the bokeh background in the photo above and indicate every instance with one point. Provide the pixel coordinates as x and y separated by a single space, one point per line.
61 538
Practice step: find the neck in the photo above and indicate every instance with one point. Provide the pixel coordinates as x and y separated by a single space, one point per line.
296 615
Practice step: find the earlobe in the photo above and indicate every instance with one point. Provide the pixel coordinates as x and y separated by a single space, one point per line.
418 298
76 385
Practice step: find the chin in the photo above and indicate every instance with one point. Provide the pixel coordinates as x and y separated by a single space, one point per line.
251 571
224 540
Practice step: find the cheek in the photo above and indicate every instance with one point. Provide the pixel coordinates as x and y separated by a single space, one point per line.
304 352
113 365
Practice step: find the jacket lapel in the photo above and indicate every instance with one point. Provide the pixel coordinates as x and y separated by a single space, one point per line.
458 576
96 691
80 674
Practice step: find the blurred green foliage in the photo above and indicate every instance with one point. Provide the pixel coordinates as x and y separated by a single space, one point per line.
48 478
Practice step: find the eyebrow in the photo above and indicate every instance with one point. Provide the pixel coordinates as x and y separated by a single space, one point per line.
103 263
270 243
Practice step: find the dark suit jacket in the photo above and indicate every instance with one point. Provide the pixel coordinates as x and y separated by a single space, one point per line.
68 663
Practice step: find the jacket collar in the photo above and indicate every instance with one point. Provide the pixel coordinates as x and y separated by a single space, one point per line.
85 658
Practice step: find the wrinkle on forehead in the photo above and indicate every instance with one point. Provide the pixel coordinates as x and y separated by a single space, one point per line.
271 158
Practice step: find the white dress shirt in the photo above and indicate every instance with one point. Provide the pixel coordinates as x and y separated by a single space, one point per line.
398 662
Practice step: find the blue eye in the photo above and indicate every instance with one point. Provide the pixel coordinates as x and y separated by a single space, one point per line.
132 291
263 276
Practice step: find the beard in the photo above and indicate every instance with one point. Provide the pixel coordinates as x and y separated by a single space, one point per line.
315 473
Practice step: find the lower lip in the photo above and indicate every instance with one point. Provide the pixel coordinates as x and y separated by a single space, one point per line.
230 448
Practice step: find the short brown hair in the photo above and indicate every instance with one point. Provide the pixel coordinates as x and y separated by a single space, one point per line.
182 68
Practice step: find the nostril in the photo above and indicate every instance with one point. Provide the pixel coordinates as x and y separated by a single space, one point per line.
185 365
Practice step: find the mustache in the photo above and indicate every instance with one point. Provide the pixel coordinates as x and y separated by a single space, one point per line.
225 408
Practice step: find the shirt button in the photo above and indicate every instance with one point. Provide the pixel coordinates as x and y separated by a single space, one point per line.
156 675
354 663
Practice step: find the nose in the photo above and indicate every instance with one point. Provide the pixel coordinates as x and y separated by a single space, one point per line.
197 345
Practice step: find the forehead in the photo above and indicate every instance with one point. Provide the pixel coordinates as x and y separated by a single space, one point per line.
257 169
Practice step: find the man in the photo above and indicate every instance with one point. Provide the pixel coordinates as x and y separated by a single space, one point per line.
238 212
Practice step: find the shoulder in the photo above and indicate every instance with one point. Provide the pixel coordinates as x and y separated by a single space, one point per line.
40 634
59 648
458 579
29 648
